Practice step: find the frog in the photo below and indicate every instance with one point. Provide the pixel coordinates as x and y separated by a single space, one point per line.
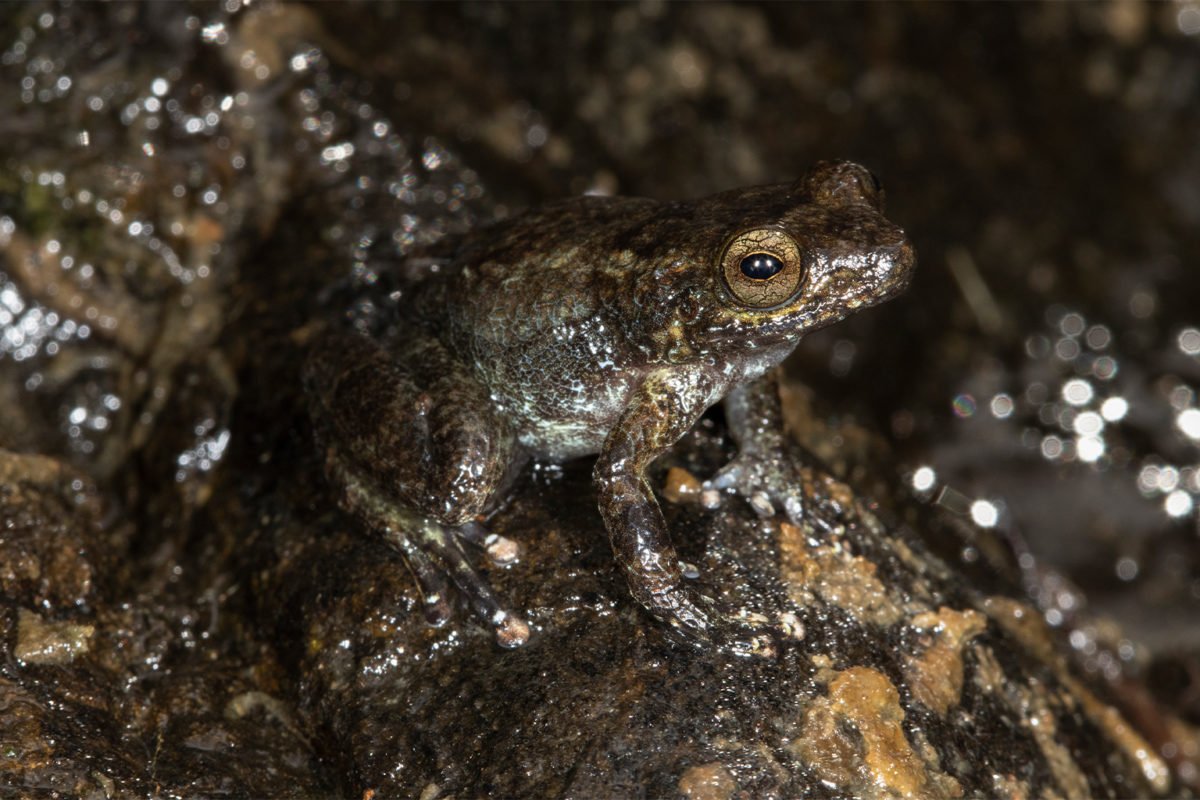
597 326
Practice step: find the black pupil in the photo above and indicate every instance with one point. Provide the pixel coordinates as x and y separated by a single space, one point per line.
761 266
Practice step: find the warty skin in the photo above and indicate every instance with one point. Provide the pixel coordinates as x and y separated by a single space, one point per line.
593 326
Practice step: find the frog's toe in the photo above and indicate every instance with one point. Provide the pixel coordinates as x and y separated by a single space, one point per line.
684 610
793 504
799 507
730 476
768 482
701 623
510 630
444 547
755 479
825 515
500 549
761 503
431 582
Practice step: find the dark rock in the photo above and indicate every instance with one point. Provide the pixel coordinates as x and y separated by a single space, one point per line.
184 612
883 671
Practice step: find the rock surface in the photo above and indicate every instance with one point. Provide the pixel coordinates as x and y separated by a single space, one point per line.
185 613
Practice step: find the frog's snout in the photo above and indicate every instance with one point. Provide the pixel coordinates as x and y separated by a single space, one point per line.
898 265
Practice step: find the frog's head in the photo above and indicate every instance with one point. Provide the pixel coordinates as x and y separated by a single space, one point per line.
799 257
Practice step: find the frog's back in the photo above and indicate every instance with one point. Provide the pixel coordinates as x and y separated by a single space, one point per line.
517 279
539 236
538 307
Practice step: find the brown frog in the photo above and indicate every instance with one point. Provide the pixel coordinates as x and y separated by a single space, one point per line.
597 325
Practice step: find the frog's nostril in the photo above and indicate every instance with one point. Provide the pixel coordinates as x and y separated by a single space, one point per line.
903 261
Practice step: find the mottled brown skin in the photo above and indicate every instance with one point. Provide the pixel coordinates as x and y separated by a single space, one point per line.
594 325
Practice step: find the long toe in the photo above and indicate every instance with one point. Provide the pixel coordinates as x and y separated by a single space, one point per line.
431 582
510 630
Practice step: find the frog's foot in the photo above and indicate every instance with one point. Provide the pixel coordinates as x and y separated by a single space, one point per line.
432 539
684 610
700 622
772 480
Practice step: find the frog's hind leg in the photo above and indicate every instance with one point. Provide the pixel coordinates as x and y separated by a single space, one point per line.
418 452
432 552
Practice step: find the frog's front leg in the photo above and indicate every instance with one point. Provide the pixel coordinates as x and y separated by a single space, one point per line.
662 409
767 470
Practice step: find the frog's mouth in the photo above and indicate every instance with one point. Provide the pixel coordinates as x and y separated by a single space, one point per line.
856 282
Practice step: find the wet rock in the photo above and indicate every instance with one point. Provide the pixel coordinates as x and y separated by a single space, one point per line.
52 552
102 699
42 642
246 639
123 222
905 679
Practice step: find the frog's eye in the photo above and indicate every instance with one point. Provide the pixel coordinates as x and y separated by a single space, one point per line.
762 268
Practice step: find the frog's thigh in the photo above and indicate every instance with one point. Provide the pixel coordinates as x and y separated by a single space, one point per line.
414 422
469 444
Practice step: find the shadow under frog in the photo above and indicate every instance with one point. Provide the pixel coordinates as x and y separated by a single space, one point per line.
598 325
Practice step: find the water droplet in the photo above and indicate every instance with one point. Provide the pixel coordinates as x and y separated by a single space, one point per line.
1127 568
1188 20
1066 349
1071 324
1098 337
1189 422
1178 503
1002 406
1089 423
963 406
1114 409
924 479
1077 392
1189 341
1168 479
1089 448
1052 447
984 513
